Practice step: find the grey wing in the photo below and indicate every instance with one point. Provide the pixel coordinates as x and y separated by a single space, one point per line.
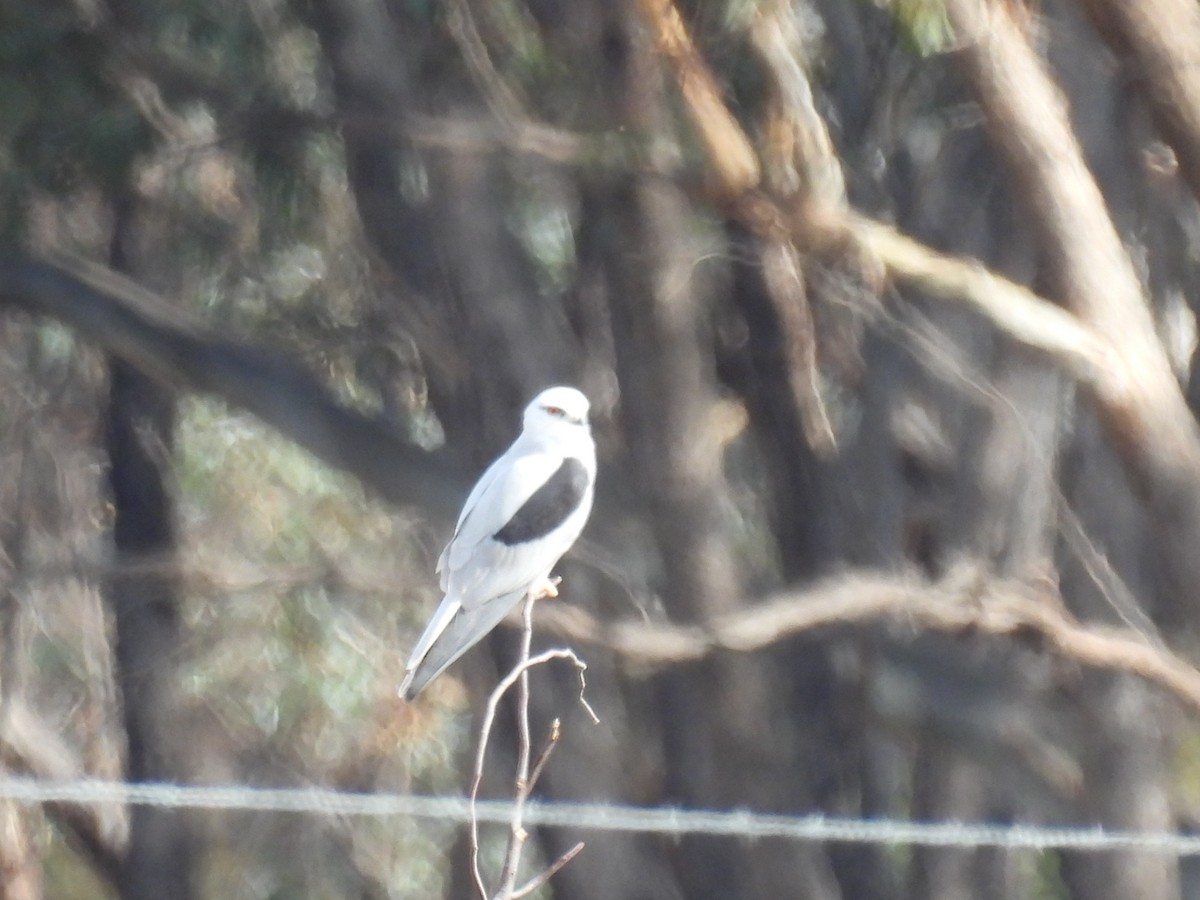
464 631
485 587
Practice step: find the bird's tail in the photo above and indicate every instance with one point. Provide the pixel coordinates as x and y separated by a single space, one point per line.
464 629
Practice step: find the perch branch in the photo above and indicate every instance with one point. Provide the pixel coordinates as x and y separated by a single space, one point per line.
517 833
525 777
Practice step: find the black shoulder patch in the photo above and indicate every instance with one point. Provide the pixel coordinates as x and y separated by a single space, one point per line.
548 506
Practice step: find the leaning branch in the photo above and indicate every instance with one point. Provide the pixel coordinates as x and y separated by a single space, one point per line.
141 328
730 152
1017 311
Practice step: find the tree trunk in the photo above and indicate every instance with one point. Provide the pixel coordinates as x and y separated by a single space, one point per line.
142 593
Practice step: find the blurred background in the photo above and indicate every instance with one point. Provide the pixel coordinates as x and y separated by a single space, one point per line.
278 276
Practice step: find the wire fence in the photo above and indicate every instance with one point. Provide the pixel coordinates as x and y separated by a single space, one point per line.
744 824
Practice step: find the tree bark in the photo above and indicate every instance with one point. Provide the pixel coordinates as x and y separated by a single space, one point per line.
1160 41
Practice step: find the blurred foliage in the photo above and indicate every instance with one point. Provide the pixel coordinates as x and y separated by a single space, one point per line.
300 595
63 126
303 596
67 875
923 24
1048 883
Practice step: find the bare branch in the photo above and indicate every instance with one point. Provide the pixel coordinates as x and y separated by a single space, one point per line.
517 834
797 139
1017 311
539 764
784 280
966 600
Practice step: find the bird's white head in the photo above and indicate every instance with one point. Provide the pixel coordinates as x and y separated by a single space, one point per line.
557 407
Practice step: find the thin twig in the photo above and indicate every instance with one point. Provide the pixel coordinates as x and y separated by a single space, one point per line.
544 757
549 872
1108 581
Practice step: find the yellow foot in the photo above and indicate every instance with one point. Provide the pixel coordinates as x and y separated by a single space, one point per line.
547 587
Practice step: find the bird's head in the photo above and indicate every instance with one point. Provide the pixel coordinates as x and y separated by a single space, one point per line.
557 407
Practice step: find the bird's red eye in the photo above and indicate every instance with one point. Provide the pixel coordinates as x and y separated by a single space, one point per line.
555 411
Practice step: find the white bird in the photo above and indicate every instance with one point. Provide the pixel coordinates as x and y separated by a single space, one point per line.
523 514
